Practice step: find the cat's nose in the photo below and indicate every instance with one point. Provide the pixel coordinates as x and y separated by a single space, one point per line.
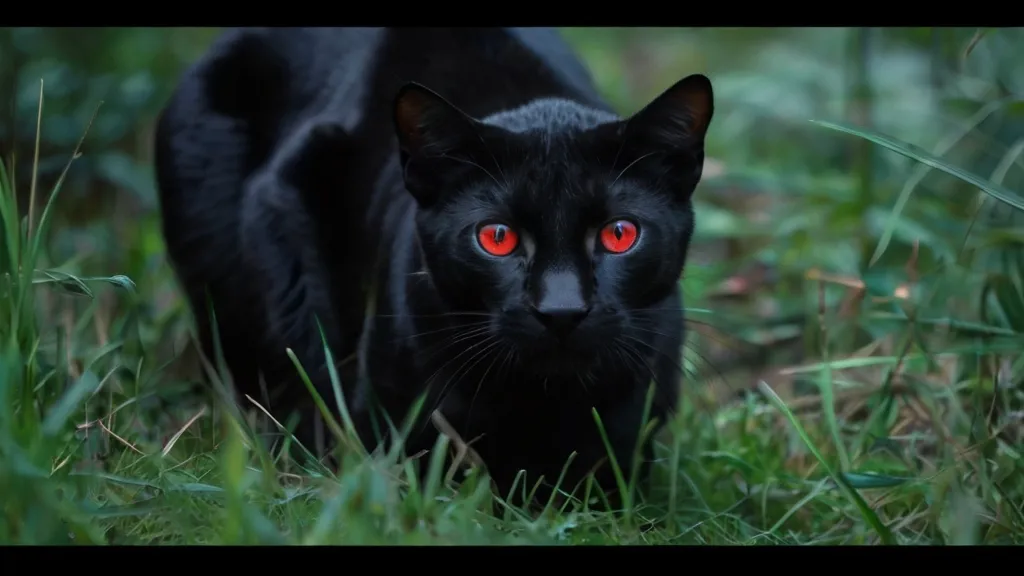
560 321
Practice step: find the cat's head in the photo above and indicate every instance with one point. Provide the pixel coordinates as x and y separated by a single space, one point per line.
569 225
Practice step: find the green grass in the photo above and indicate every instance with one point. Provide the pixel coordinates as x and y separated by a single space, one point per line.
913 438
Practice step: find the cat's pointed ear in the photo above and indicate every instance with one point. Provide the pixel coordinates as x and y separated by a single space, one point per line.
678 119
431 132
665 139
427 124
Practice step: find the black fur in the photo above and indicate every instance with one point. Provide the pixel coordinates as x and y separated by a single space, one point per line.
344 174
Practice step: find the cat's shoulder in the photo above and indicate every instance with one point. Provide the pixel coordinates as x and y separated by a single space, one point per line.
549 45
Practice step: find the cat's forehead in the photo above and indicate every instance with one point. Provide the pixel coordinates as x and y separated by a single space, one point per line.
557 189
550 117
559 177
548 173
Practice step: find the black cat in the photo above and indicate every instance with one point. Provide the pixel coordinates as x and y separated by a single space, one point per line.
463 214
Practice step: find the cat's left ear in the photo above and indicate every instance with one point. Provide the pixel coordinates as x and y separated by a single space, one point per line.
678 119
668 134
432 136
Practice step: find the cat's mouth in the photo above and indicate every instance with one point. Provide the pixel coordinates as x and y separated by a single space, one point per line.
547 355
552 365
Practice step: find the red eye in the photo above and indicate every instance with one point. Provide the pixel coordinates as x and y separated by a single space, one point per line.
497 239
618 236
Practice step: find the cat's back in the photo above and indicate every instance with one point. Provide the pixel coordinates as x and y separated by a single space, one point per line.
273 80
479 70
262 85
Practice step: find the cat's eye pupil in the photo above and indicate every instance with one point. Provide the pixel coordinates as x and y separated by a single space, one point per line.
497 239
618 236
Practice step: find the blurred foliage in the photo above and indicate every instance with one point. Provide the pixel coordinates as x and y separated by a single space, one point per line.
109 201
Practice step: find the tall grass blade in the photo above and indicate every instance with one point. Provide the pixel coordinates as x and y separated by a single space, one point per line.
844 486
997 191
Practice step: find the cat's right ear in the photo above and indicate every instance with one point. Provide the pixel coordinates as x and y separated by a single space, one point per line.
431 133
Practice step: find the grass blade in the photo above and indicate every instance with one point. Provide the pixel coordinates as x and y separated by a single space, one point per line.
869 515
922 171
72 399
997 191
859 480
